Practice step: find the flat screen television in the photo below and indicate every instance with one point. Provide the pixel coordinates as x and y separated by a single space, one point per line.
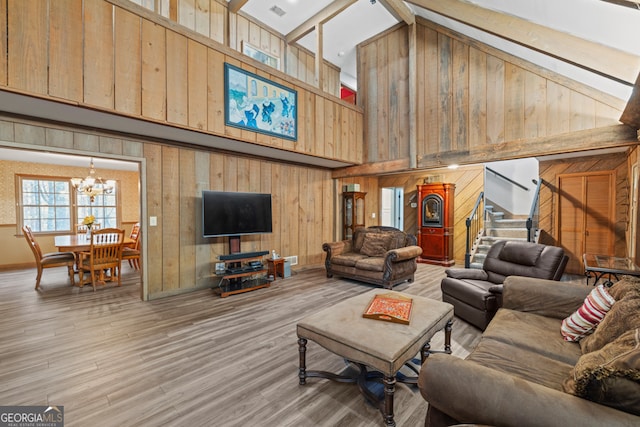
227 213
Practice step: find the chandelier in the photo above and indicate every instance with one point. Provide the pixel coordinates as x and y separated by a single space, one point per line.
92 186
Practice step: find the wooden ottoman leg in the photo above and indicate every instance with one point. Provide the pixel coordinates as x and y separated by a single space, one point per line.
424 353
302 371
389 389
447 337
426 348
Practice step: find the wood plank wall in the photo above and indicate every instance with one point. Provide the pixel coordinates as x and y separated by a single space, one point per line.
118 57
179 258
469 182
209 18
549 171
384 94
473 101
300 63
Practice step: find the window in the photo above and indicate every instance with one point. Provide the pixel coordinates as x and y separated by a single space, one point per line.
103 208
47 205
161 7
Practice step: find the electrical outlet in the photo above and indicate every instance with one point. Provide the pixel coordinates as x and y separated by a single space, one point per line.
373 215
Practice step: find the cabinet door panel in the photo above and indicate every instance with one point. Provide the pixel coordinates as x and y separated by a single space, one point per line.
599 215
571 220
586 216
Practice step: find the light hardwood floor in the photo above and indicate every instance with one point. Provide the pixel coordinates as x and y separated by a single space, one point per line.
190 360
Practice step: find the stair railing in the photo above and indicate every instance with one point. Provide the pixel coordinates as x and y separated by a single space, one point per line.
506 178
474 223
533 219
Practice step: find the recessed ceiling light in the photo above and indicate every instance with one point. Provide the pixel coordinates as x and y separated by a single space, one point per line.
278 11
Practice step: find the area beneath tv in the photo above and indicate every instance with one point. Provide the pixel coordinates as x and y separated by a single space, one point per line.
243 271
236 253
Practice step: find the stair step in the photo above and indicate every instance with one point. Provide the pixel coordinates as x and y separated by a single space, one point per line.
507 232
476 265
509 223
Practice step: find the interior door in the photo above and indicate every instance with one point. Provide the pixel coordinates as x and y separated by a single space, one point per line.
586 216
392 204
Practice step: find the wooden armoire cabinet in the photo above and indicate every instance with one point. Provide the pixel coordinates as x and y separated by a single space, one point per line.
352 212
435 223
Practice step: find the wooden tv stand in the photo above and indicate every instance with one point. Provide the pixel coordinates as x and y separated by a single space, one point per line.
239 277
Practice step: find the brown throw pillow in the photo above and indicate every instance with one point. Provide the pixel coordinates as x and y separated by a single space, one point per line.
375 244
358 238
627 285
610 376
623 316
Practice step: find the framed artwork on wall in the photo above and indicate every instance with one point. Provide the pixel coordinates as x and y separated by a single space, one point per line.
260 55
254 103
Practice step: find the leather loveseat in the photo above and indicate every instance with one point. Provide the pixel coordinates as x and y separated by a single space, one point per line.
476 294
383 256
524 373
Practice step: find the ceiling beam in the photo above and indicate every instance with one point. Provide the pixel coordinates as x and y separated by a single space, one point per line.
631 113
326 14
613 136
634 4
603 60
235 5
318 60
400 10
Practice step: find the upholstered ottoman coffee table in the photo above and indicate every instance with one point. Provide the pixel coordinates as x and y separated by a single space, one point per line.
370 343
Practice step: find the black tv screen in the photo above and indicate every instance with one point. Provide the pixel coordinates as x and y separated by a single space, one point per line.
233 214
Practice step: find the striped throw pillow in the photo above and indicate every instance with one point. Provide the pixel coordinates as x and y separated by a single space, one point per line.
588 316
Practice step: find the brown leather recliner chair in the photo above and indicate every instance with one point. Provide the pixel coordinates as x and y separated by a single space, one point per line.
476 294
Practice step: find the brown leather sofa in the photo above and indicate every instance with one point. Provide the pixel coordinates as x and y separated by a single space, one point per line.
382 256
523 373
476 294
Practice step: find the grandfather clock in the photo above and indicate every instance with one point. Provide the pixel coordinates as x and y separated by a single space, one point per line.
352 212
435 223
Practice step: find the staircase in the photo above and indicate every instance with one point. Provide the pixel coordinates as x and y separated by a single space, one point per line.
496 228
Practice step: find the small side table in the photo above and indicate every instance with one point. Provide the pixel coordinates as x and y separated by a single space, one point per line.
275 267
601 265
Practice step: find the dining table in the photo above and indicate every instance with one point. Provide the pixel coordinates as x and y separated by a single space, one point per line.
77 243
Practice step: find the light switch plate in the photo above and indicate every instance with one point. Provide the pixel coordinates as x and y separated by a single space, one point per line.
153 221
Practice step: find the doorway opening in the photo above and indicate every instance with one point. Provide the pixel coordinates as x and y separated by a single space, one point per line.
128 171
392 207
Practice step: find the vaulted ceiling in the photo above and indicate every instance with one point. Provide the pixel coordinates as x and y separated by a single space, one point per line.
591 41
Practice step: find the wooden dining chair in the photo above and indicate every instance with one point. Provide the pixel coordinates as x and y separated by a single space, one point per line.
105 254
48 260
131 251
